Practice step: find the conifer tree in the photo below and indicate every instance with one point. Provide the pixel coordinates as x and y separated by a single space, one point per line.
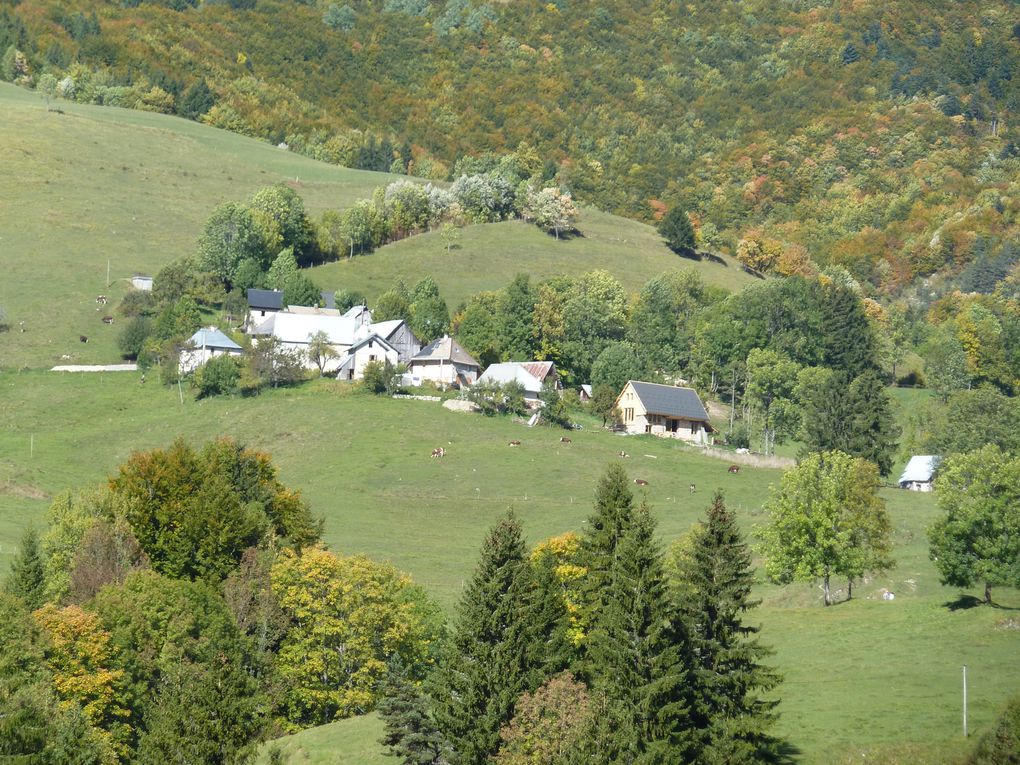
411 734
613 516
27 579
847 338
638 659
728 675
873 432
489 664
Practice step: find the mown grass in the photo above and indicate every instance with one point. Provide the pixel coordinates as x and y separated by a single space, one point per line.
86 187
487 257
867 680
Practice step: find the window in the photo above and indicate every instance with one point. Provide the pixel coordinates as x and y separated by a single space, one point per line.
628 414
371 357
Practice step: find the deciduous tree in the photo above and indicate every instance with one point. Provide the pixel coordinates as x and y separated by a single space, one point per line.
975 541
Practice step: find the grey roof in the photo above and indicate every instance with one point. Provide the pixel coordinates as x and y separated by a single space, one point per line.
210 337
272 299
445 349
920 469
670 400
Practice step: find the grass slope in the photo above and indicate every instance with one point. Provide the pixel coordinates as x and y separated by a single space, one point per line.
97 186
865 678
489 256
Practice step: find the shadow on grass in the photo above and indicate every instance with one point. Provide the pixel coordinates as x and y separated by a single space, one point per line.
963 603
784 753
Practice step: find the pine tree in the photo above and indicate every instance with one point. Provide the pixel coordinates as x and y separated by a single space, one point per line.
411 734
847 338
27 579
490 661
638 659
613 516
515 319
873 431
678 232
729 678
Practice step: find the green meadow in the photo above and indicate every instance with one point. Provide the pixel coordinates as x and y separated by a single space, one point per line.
867 680
89 191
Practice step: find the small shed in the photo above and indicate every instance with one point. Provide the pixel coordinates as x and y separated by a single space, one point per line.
143 283
585 393
919 474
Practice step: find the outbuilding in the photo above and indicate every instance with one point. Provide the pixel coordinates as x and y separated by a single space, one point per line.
919 474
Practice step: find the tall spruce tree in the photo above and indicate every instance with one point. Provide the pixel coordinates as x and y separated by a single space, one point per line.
873 430
848 340
730 681
27 579
490 662
613 516
515 319
411 734
638 660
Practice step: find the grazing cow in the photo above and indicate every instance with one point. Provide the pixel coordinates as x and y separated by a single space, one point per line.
693 488
564 440
440 452
107 320
83 338
640 481
515 442
733 469
101 299
624 454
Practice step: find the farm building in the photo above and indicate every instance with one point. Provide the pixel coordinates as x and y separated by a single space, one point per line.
263 303
443 361
584 393
143 283
204 345
530 374
295 330
664 410
919 473
371 348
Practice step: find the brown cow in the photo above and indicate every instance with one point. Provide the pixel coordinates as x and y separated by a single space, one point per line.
624 454
440 452
83 338
693 488
107 320
640 481
101 299
515 442
733 469
564 440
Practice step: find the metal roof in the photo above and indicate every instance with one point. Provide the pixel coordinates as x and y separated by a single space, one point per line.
511 371
272 299
920 469
670 400
299 327
210 337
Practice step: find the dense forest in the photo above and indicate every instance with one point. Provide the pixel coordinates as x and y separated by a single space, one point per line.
873 136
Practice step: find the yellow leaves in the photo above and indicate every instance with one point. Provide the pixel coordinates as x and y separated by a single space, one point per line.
242 59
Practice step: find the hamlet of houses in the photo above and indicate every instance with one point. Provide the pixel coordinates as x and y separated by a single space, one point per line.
356 340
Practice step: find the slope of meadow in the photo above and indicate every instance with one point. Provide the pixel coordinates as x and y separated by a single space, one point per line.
88 188
855 685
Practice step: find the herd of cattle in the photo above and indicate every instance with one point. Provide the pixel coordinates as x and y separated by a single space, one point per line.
440 452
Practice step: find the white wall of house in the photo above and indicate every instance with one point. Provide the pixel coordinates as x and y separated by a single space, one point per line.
367 353
191 360
445 372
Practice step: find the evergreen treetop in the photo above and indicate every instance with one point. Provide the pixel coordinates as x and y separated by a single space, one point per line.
27 579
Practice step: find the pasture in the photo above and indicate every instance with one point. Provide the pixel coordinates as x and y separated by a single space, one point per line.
867 679
88 190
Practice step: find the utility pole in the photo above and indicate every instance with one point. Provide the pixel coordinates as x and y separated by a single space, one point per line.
107 273
965 701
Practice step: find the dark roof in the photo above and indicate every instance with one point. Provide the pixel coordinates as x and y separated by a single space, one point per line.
271 299
670 401
328 299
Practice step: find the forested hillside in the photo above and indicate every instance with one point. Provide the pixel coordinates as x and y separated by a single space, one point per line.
878 136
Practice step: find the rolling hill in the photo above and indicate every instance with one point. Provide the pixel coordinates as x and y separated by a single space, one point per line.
88 188
362 462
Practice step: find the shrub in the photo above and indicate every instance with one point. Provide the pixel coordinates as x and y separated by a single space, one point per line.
133 336
1001 745
217 377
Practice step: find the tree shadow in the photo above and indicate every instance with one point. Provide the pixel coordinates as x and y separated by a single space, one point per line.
963 603
711 257
784 753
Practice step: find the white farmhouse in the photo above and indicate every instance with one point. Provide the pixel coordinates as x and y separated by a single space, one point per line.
204 345
365 351
444 362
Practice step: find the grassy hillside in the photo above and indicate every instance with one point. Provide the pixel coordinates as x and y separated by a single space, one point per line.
93 186
877 135
490 255
855 680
